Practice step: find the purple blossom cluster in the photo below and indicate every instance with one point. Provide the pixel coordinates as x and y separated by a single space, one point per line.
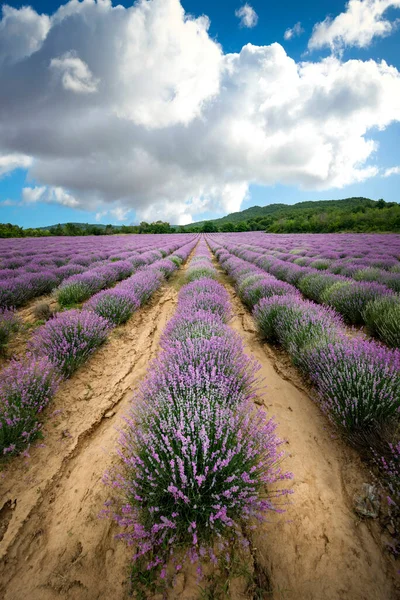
358 383
197 458
25 389
9 324
115 305
382 318
69 338
201 264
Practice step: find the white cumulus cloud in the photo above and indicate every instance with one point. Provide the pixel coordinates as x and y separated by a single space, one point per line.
391 171
22 32
362 21
139 109
75 74
294 31
49 195
247 15
10 162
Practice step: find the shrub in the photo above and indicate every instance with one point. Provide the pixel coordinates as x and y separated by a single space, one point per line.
43 282
358 383
9 323
69 294
389 466
305 326
207 301
217 363
369 274
314 285
382 317
165 266
70 338
321 264
15 292
392 281
143 284
188 478
114 305
200 271
42 311
350 299
191 290
175 259
265 288
25 390
267 311
198 324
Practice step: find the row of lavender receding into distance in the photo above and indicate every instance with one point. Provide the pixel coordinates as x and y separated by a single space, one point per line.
361 302
356 380
199 462
68 339
84 283
32 267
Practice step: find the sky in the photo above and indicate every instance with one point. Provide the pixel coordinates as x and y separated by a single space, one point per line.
181 111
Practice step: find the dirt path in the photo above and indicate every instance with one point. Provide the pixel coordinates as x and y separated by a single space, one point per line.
53 544
319 549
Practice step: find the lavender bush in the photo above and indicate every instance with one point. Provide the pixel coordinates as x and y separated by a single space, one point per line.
188 478
9 324
114 305
358 383
265 288
350 299
198 324
296 324
70 338
382 317
266 312
25 390
315 284
143 284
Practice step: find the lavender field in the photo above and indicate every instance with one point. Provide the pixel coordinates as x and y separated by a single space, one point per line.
197 416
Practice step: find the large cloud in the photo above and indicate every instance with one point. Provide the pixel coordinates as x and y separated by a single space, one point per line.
357 26
140 109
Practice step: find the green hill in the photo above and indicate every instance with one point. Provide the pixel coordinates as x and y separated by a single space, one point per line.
321 216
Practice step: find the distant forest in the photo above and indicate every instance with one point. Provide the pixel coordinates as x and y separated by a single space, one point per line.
325 216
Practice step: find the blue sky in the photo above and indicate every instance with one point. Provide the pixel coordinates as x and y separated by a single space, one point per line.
196 157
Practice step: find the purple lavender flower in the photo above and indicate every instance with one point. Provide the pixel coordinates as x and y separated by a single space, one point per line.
115 305
358 382
69 338
25 390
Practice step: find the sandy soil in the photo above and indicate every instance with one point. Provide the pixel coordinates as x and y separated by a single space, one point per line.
53 545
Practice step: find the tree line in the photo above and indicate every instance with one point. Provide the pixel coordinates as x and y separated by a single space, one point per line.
368 217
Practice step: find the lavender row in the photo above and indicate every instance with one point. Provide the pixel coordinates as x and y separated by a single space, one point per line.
22 279
78 288
359 303
60 347
358 381
344 254
196 455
